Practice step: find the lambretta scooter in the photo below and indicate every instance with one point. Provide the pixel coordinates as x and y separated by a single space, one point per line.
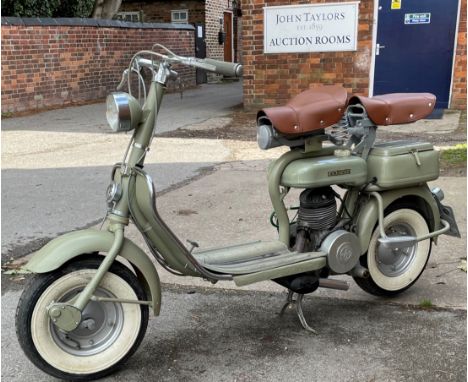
84 312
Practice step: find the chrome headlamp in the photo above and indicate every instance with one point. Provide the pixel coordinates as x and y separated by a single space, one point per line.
123 112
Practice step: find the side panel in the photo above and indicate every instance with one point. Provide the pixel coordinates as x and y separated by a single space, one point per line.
368 214
325 171
64 248
403 170
275 172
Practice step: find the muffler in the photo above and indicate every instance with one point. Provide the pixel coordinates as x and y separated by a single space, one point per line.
333 284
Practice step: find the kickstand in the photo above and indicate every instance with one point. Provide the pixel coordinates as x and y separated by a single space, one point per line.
297 303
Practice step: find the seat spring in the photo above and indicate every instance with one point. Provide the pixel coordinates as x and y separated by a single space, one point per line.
339 132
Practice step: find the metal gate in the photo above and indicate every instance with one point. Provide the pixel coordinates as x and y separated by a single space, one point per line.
415 47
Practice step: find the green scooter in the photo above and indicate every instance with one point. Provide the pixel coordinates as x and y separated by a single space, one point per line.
85 312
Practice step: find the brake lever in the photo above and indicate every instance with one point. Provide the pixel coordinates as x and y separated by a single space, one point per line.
123 80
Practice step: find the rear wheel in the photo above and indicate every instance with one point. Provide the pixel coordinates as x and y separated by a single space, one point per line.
391 271
108 334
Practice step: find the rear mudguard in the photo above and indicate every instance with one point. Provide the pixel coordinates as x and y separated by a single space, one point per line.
64 248
368 214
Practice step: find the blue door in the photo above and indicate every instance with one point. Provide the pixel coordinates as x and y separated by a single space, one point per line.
415 45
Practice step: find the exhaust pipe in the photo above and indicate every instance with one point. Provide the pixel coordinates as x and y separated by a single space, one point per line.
359 271
333 284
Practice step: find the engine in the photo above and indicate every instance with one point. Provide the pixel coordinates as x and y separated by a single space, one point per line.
316 217
317 229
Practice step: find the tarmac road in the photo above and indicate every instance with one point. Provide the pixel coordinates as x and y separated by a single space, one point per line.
238 336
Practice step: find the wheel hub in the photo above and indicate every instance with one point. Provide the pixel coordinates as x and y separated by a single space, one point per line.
64 316
100 325
89 324
393 262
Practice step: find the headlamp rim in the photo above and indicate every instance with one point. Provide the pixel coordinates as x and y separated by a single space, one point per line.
124 117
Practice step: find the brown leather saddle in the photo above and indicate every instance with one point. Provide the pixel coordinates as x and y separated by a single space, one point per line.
396 108
324 106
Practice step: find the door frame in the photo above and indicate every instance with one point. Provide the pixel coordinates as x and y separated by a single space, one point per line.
374 43
232 32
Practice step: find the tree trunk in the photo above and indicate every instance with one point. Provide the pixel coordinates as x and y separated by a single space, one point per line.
105 9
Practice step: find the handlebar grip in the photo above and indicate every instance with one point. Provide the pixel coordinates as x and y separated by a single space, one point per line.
230 69
148 63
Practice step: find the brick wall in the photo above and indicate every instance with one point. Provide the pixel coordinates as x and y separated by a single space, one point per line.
272 79
160 11
459 78
48 66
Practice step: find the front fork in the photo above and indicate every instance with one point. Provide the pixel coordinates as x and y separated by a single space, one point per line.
67 316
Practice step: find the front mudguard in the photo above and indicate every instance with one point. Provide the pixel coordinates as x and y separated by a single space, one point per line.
369 212
66 247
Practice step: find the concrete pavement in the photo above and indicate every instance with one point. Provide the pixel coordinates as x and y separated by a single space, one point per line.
55 170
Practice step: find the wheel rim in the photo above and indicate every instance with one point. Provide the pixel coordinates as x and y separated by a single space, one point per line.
112 346
100 326
393 262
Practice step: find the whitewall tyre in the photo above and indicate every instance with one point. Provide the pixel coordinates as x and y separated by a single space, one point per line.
108 334
391 271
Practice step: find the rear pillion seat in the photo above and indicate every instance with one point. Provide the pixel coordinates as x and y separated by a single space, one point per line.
396 108
324 106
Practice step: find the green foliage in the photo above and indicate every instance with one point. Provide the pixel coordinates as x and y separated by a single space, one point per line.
6 114
75 8
47 8
426 303
30 8
455 155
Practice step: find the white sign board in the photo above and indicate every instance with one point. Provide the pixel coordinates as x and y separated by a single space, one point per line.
331 27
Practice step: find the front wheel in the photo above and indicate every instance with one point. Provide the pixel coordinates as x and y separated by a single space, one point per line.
391 271
108 334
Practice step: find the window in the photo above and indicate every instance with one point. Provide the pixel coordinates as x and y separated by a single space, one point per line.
179 16
128 16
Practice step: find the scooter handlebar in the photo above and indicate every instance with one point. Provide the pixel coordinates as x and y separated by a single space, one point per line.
229 69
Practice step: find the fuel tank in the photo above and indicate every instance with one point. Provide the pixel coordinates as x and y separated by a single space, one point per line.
325 171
